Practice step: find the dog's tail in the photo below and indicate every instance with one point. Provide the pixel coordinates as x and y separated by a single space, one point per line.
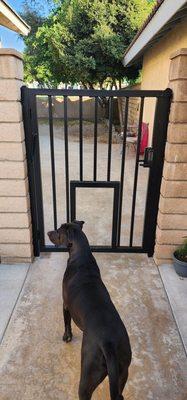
113 370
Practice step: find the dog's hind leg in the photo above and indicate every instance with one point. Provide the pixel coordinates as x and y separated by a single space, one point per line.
67 337
122 380
91 377
93 370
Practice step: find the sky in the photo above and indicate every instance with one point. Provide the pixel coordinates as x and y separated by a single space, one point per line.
8 37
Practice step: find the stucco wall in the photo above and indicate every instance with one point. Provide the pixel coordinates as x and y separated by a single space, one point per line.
156 64
134 102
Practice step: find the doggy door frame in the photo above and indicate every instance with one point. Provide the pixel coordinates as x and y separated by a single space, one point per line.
99 184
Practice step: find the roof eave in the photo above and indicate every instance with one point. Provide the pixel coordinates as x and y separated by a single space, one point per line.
164 13
11 20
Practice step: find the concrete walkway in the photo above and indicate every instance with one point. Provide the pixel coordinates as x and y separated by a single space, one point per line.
176 289
36 364
12 278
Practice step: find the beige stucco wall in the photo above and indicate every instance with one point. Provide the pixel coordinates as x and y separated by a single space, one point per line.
156 64
134 102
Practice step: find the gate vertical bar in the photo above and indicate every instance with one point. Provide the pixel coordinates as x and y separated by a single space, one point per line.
110 137
136 171
66 156
95 139
80 139
115 214
155 176
122 169
51 131
73 201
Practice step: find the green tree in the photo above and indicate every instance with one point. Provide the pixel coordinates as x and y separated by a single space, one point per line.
83 41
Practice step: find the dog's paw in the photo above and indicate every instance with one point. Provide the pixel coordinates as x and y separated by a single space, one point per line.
67 337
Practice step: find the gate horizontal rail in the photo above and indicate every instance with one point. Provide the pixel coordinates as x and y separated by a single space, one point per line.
100 93
154 157
99 249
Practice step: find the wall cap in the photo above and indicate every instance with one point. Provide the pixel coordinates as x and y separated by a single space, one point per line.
11 52
179 52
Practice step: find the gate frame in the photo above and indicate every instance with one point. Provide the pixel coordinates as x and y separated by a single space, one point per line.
28 98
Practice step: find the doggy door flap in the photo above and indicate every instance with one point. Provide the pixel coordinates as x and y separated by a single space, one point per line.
95 200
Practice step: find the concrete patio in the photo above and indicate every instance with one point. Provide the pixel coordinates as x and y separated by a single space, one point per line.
36 364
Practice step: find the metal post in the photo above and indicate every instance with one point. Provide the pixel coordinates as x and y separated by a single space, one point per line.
34 174
66 155
51 131
110 138
155 176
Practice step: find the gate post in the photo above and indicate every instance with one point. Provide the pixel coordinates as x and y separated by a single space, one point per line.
15 221
172 215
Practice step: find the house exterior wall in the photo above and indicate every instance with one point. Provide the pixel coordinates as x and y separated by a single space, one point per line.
156 64
134 103
172 214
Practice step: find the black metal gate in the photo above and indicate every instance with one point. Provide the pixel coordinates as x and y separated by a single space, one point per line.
153 159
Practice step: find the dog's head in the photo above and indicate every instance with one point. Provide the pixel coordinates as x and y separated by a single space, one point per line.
64 235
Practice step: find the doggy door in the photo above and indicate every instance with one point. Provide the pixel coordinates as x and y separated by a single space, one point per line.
97 204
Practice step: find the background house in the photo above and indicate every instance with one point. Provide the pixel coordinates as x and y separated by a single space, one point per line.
163 33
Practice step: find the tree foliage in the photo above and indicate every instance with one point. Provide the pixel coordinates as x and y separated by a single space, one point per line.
82 41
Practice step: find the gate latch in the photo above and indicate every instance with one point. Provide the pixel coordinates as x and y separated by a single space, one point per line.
148 158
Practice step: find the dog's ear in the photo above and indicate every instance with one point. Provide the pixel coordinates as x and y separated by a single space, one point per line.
80 223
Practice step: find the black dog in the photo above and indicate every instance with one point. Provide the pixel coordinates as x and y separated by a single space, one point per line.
105 346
